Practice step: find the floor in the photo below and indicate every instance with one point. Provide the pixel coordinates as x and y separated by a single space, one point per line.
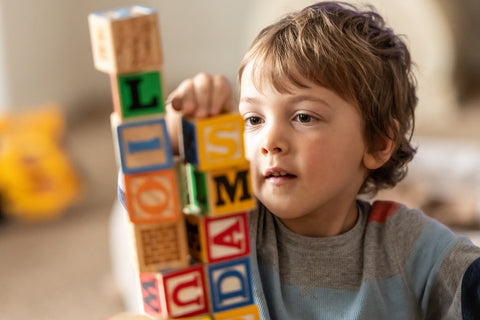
60 269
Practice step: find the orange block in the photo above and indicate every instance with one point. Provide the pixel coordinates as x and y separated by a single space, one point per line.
245 313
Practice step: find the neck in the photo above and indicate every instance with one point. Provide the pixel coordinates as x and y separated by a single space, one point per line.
328 223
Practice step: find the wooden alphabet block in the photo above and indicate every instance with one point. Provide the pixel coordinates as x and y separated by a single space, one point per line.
151 302
184 292
152 196
220 191
160 246
144 146
244 313
213 143
137 94
215 239
125 40
230 284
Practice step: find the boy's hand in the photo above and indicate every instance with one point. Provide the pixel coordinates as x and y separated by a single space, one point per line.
202 96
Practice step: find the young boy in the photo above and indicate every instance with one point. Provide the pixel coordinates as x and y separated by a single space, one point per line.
328 99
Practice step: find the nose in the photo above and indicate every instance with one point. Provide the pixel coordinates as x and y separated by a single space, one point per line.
275 140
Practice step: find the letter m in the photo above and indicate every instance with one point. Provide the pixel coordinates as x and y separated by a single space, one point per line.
231 189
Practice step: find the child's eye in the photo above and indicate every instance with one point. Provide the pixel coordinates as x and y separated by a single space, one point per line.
253 121
303 118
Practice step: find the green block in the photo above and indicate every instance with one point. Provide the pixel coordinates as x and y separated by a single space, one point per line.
141 94
197 190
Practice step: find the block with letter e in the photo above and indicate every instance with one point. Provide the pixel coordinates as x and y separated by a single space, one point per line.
152 196
220 191
215 239
184 292
144 146
138 94
213 143
160 246
125 40
245 313
229 283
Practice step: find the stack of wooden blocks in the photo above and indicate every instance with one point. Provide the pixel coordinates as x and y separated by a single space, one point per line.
188 215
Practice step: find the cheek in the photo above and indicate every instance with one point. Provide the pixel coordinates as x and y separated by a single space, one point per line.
249 147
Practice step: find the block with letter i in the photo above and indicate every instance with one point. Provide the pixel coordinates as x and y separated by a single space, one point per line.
125 40
213 143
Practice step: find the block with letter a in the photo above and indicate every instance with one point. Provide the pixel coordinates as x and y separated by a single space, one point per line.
125 40
144 146
229 283
220 191
152 196
213 143
215 239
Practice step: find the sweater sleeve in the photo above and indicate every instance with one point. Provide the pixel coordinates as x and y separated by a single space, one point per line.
456 288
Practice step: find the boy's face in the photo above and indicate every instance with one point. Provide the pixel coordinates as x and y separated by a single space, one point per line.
307 154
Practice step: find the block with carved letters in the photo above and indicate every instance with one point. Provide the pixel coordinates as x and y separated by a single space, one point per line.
215 239
220 191
144 146
213 143
152 196
151 303
125 40
229 284
184 292
244 313
160 246
137 94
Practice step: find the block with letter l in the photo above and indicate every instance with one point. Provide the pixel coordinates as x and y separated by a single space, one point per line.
213 143
144 146
125 40
137 94
229 284
220 191
220 238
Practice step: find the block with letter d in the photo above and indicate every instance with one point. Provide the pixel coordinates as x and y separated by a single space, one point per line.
184 292
125 40
215 239
244 313
152 196
220 191
213 143
138 94
229 283
144 146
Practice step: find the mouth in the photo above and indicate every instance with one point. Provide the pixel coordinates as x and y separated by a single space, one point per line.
277 173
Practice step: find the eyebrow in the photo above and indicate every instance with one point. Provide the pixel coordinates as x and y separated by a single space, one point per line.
293 99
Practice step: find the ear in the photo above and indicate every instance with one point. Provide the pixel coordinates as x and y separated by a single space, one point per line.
379 153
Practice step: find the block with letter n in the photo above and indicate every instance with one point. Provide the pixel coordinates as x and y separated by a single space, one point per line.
220 191
125 40
213 143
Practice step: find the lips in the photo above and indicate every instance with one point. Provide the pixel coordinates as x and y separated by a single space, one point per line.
278 174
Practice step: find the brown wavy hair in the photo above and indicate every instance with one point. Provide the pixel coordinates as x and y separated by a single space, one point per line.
352 52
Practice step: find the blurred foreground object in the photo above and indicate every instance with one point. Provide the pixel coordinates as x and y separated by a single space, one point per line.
37 180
